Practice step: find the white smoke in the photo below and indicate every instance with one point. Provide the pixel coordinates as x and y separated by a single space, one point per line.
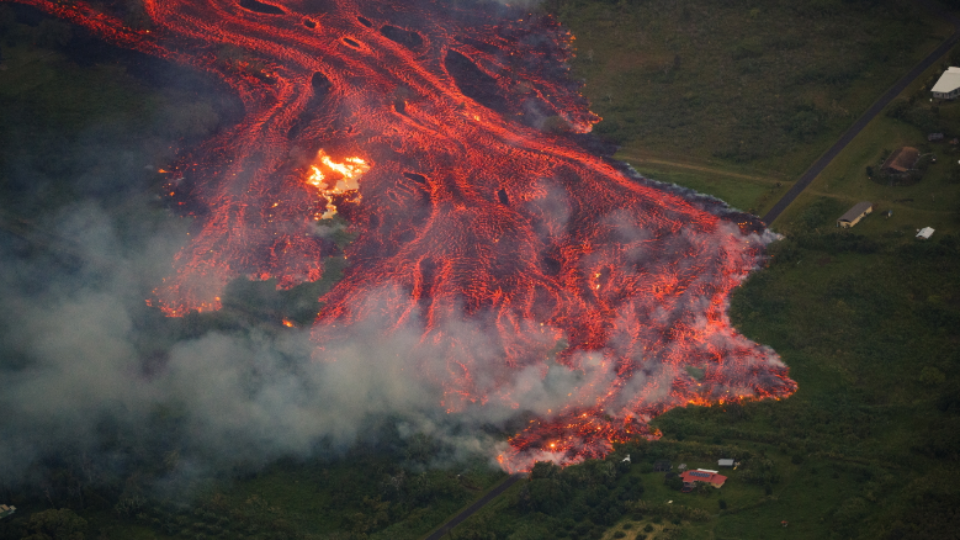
73 337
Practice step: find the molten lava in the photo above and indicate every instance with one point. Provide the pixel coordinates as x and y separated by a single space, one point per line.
484 224
334 179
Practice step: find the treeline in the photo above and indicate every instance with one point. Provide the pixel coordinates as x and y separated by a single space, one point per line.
584 501
385 482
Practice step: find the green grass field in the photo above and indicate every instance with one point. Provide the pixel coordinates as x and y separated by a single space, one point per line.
770 85
737 88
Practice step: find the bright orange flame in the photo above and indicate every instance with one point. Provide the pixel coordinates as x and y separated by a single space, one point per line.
332 178
288 323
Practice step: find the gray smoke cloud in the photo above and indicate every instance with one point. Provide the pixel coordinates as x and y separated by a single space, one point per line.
77 355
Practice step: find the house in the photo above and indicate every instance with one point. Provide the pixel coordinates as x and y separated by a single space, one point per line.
902 161
933 137
948 86
925 233
690 478
6 510
725 463
855 214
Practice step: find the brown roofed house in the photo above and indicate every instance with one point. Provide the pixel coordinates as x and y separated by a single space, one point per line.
902 161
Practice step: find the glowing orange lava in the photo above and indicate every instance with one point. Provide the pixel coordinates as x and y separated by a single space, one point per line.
486 225
333 179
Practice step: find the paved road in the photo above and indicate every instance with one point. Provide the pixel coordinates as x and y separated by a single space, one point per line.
477 505
819 165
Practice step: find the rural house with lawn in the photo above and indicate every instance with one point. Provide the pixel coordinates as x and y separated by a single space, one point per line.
690 479
948 86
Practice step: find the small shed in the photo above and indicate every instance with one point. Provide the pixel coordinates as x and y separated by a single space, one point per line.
855 214
6 510
901 161
725 463
948 85
925 233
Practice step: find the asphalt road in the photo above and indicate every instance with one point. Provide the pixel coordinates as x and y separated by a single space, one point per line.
473 508
819 165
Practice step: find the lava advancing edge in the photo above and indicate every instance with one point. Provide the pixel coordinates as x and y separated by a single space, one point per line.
483 223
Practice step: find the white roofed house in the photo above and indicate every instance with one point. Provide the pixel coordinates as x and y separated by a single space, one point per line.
948 86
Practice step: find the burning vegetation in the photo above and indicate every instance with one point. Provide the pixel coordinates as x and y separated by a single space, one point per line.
520 259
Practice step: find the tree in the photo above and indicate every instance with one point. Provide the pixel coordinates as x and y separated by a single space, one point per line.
62 524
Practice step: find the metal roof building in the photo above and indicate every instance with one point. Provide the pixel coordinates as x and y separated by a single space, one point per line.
948 86
855 214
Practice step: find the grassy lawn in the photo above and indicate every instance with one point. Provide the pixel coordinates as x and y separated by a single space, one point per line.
933 201
761 85
750 193
759 88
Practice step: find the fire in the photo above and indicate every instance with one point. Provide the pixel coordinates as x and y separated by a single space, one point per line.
485 224
332 179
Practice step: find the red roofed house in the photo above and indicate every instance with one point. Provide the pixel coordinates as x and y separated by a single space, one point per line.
690 478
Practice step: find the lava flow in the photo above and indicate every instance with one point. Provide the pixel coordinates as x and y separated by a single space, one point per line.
449 135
